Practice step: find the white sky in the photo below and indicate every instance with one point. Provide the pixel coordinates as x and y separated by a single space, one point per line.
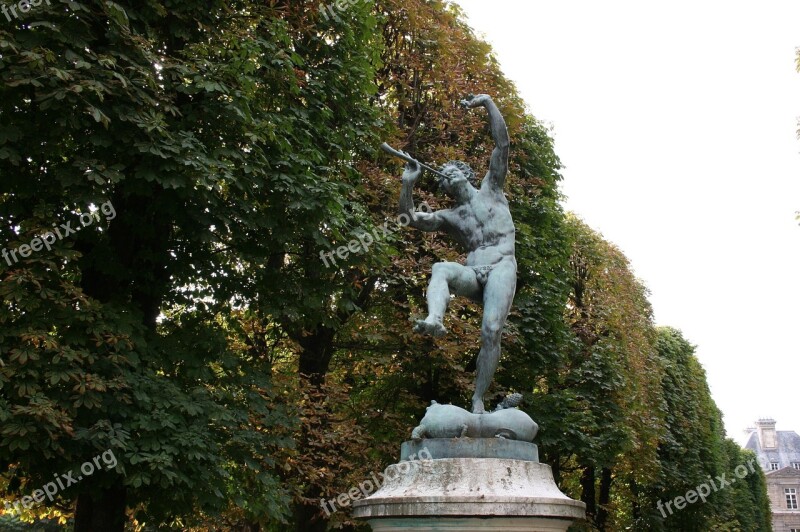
676 122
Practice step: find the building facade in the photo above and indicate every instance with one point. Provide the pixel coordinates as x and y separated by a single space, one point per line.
778 454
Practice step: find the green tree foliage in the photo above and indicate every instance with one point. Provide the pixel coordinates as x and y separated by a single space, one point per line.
748 505
627 417
693 450
221 134
597 401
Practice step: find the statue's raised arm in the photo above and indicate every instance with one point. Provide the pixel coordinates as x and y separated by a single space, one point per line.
424 221
498 165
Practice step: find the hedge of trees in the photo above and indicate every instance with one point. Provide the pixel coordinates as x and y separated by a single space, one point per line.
197 334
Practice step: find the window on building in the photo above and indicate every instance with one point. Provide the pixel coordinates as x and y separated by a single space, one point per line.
791 498
773 466
796 465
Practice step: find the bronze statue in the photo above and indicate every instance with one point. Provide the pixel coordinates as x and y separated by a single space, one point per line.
481 222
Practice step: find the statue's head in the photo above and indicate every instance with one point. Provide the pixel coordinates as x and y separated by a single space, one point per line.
459 175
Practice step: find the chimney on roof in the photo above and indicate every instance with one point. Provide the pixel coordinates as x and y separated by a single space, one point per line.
766 433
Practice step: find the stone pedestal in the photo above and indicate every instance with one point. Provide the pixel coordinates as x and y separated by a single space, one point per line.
467 494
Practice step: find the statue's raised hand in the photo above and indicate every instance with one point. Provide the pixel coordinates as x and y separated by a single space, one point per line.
412 172
475 101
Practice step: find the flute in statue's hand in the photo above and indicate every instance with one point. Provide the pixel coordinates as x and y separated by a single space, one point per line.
407 158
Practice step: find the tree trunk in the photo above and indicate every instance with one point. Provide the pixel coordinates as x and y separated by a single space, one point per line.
588 492
307 513
316 354
555 461
103 514
141 285
315 358
308 518
605 496
636 510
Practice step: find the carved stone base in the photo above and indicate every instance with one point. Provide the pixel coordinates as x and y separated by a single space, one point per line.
466 524
469 494
469 448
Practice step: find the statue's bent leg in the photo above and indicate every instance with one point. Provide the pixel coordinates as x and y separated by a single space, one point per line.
446 276
498 294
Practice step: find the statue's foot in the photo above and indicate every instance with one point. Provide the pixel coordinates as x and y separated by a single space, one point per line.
477 406
431 328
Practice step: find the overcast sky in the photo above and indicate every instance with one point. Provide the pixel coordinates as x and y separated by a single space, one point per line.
676 123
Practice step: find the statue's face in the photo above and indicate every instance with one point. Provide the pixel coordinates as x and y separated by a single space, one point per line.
453 180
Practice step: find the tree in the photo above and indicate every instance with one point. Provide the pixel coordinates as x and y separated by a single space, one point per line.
199 125
693 449
596 402
430 60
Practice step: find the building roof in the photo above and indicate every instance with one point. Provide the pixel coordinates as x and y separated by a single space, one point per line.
786 472
787 451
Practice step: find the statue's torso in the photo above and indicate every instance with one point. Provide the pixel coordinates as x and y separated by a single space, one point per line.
484 227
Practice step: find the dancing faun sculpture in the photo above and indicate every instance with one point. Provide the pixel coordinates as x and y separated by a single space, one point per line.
484 472
481 222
